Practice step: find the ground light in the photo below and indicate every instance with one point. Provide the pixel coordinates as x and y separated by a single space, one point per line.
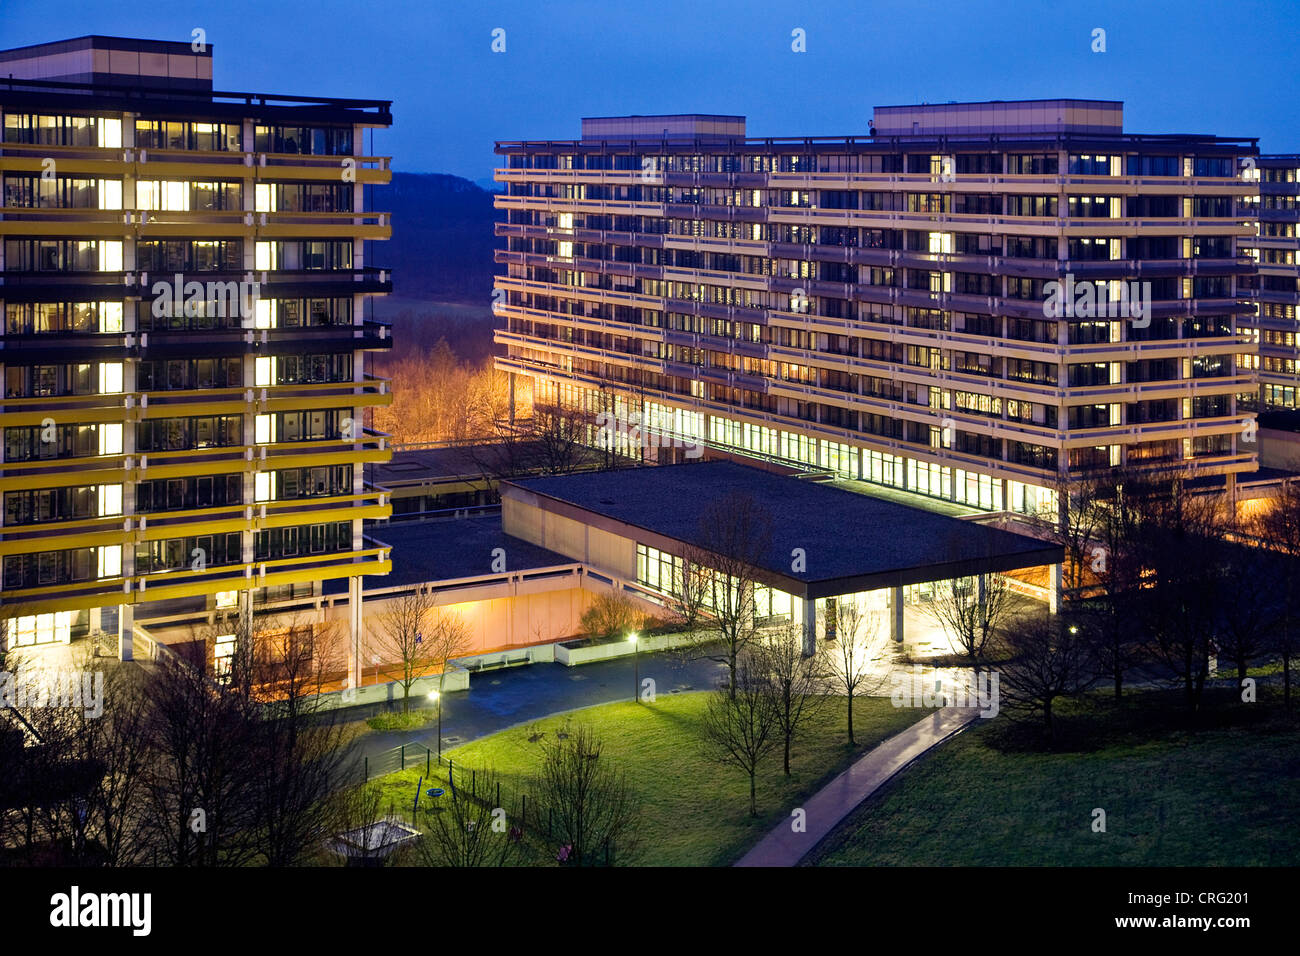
636 668
437 699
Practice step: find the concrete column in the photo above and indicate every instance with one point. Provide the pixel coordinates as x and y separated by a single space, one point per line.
354 631
896 614
96 619
809 606
512 398
125 631
1054 588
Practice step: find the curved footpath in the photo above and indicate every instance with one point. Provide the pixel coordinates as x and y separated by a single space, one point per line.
832 803
500 699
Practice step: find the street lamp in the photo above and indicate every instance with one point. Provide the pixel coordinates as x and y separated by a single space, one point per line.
636 672
437 699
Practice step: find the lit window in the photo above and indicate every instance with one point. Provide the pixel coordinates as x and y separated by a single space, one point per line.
110 561
265 314
176 196
110 500
110 134
110 378
110 316
222 651
262 486
265 370
110 257
264 429
110 439
110 194
265 256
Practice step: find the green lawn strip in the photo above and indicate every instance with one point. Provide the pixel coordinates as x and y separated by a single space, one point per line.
396 720
1220 795
694 813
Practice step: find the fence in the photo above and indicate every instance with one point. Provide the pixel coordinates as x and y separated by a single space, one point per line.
527 817
398 758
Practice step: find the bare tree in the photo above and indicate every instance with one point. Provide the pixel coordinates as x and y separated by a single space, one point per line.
611 614
739 727
1115 562
448 637
400 633
587 799
733 539
689 596
1180 543
298 748
857 633
463 830
1253 579
1049 657
200 798
794 682
970 611
1279 528
117 740
1076 524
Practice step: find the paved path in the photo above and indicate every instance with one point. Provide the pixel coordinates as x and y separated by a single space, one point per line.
835 801
503 698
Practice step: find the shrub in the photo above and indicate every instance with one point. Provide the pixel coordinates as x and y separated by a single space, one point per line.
611 615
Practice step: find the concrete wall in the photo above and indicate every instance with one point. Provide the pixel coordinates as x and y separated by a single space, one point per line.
1279 449
603 551
524 619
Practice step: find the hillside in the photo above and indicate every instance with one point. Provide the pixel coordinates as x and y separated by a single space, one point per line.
442 242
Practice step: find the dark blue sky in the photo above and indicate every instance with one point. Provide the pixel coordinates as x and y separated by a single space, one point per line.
1232 69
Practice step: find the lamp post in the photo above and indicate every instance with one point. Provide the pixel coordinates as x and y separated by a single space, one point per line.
437 699
636 668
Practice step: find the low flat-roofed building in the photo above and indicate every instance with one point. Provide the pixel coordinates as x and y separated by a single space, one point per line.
824 541
523 577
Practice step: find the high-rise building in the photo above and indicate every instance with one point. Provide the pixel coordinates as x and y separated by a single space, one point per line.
967 301
1277 253
184 283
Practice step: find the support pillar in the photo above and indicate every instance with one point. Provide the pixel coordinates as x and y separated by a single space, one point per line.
354 631
125 631
809 608
96 619
896 614
1054 588
512 398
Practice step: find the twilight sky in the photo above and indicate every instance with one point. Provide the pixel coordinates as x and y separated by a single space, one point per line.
1231 69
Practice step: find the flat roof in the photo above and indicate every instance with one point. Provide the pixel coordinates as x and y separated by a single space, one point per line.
1073 101
102 41
449 550
852 542
418 465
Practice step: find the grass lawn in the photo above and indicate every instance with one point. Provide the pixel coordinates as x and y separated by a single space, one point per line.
1218 793
693 813
396 720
